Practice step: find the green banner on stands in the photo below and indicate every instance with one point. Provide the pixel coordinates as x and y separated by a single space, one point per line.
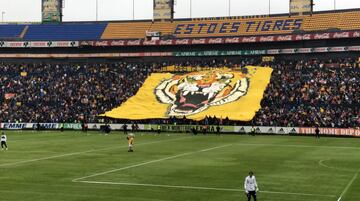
74 126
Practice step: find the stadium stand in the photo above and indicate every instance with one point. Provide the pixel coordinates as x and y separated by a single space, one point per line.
340 20
131 30
11 31
301 92
239 26
65 93
312 93
76 31
344 20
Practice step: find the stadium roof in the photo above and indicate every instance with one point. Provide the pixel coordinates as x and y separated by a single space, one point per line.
84 10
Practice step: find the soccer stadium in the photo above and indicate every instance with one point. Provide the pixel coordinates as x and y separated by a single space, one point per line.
173 108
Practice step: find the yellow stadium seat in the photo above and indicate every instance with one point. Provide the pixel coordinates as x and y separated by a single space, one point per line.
346 20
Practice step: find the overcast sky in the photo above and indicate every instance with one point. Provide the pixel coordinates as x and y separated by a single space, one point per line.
84 10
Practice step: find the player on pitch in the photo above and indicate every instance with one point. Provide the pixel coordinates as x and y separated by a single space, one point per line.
250 186
130 139
3 141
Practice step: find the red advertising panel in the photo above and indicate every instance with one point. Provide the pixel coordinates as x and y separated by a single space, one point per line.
331 131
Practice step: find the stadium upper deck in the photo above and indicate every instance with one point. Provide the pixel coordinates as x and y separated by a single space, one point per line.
343 20
238 26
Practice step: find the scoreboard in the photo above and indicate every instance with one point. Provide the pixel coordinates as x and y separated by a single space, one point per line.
51 10
163 9
301 6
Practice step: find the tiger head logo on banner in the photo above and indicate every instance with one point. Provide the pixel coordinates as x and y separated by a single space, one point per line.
195 92
224 92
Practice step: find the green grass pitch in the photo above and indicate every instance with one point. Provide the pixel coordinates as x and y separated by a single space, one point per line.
75 166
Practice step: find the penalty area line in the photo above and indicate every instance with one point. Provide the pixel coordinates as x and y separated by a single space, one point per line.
349 184
322 163
296 146
202 188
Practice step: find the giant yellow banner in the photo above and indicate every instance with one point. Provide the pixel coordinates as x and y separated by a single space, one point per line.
221 93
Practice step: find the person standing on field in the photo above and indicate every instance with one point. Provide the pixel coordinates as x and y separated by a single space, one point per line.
3 141
125 129
250 186
252 130
130 139
317 132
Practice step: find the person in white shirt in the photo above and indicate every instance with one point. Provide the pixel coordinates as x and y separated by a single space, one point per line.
3 141
251 186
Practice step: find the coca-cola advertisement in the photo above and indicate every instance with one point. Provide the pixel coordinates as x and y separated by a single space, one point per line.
322 36
250 39
232 40
102 43
307 36
216 40
341 35
199 41
134 42
166 42
285 38
246 39
356 34
182 42
267 38
150 42
117 43
186 41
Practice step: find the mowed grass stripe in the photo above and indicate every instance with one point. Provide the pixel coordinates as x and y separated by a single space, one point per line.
297 146
150 162
289 169
84 152
203 188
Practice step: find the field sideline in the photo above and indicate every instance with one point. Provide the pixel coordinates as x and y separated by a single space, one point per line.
77 166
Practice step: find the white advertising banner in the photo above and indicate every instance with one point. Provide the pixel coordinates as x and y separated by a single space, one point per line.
353 132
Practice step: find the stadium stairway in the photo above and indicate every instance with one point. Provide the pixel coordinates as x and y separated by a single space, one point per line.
11 31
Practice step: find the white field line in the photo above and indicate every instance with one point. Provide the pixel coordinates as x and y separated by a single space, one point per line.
82 152
148 162
298 146
349 184
321 163
203 188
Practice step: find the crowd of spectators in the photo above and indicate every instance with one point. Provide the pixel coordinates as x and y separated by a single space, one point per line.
301 93
64 92
312 93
